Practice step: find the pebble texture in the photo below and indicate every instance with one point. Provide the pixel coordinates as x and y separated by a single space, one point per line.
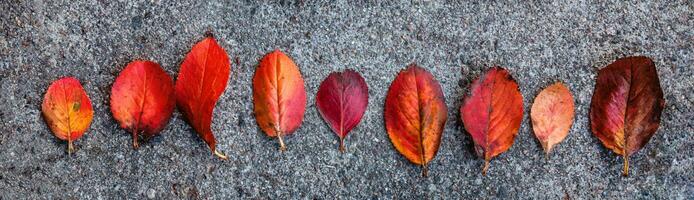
539 43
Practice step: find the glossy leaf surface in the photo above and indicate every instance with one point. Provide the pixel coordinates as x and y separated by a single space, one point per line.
142 99
341 100
202 79
67 110
279 96
626 106
492 113
415 115
552 114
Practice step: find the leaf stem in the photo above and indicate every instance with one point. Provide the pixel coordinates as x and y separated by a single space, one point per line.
626 164
342 145
425 170
220 155
70 148
486 167
282 146
136 145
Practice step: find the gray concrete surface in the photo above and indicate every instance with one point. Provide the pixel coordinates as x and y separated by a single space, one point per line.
538 42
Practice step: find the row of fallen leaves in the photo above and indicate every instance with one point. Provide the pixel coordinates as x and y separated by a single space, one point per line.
625 109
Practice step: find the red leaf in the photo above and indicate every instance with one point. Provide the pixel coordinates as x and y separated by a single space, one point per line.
142 99
202 79
626 106
279 96
492 113
552 114
415 114
341 100
67 110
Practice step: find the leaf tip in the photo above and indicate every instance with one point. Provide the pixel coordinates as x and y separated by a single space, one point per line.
209 34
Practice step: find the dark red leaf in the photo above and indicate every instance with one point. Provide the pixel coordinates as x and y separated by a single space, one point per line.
626 105
341 100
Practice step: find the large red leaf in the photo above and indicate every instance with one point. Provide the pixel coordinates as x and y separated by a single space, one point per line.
552 114
67 110
202 79
279 96
626 105
142 99
341 100
415 115
492 113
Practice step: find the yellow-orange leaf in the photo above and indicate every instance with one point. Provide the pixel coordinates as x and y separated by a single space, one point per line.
67 110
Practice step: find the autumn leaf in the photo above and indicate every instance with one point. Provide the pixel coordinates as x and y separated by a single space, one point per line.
142 99
279 97
341 100
492 113
415 115
626 105
202 79
552 114
67 110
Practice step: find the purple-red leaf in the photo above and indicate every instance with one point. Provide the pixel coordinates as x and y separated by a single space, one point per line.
341 101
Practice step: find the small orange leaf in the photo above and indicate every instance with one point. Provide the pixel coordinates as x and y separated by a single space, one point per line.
492 113
279 96
415 115
202 79
67 110
142 99
552 114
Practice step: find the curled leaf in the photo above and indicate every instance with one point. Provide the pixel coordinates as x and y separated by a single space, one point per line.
202 79
341 100
492 113
67 110
415 115
279 97
142 99
552 114
626 105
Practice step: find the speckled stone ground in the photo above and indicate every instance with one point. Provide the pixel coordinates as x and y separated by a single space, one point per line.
539 43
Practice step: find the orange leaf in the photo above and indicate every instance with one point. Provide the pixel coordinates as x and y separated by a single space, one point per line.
552 114
67 110
202 79
415 115
142 99
492 113
626 105
279 97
